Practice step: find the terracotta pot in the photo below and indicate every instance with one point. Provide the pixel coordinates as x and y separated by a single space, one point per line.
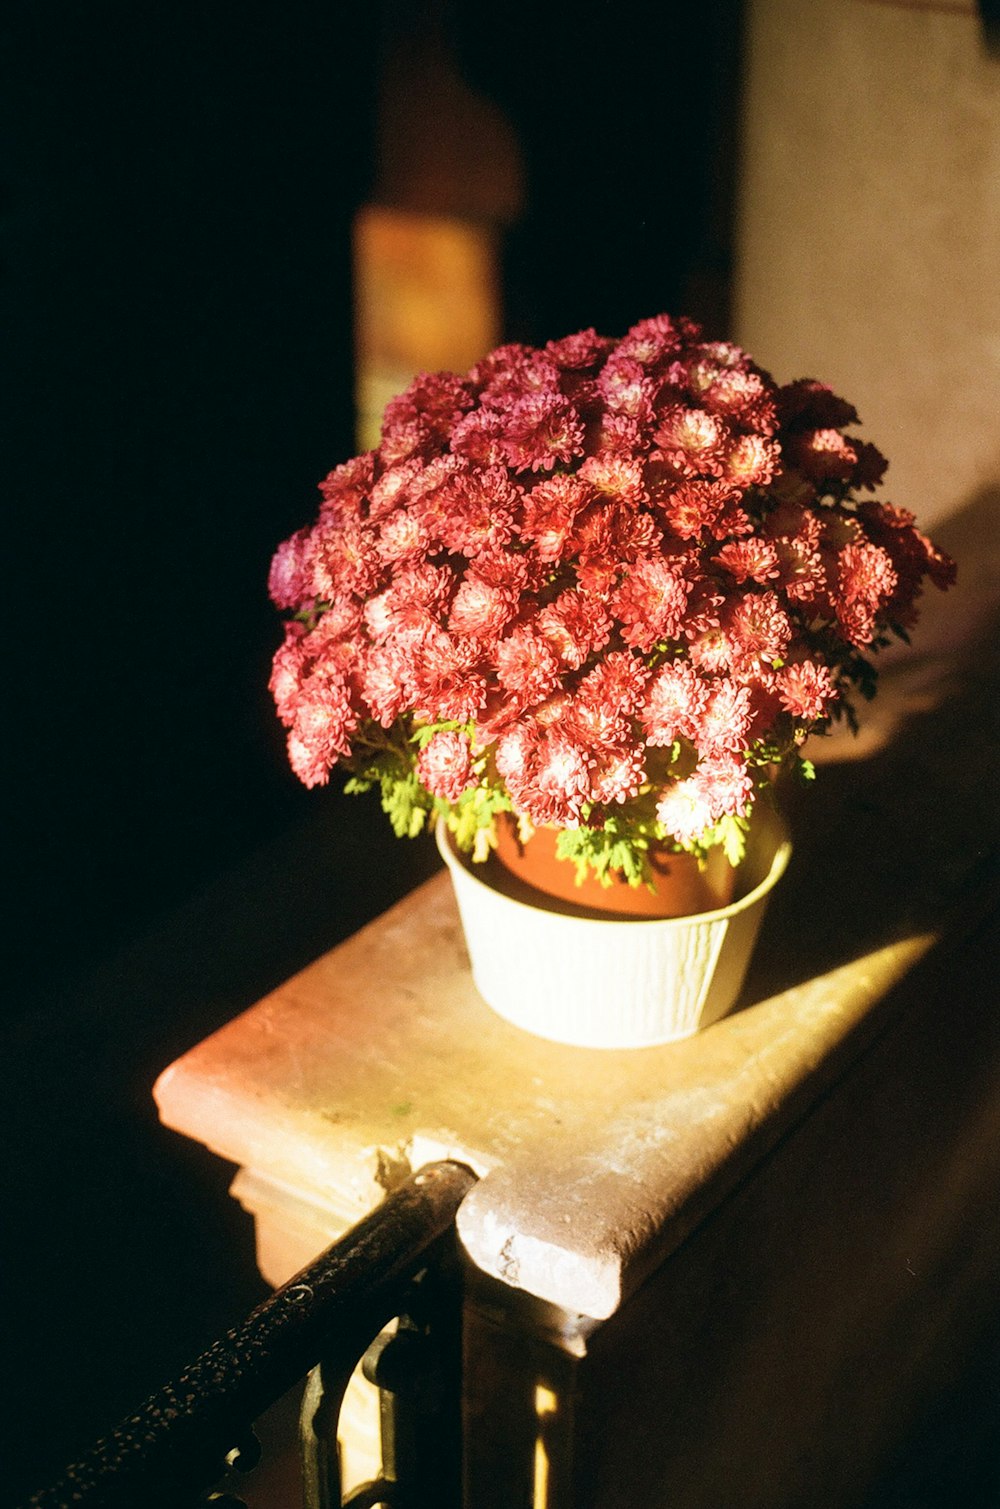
600 980
682 887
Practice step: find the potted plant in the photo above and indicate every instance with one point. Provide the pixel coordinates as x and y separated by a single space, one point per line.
591 599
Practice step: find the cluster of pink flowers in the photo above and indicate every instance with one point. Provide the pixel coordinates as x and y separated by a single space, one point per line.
600 574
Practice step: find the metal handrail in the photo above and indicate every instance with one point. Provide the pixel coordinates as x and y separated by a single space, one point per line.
178 1443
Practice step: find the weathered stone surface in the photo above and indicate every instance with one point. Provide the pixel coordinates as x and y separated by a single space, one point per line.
381 1056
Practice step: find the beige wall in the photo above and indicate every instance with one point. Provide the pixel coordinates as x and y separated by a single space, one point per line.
869 231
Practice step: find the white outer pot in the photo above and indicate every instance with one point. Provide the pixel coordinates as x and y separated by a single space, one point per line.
604 982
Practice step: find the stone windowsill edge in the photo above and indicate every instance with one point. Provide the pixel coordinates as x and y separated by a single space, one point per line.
585 1231
215 1116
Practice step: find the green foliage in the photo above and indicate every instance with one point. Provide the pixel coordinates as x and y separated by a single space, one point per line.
406 803
473 813
731 833
601 851
356 785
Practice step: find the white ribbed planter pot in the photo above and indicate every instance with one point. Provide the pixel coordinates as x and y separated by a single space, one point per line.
606 982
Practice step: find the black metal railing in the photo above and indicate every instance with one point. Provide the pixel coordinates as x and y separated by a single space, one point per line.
400 1261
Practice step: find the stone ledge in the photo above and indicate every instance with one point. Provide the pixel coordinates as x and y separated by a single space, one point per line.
594 1164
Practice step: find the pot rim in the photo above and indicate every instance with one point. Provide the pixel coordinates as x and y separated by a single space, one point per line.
455 860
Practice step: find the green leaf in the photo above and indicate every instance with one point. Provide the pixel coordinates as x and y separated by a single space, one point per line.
356 784
732 835
406 804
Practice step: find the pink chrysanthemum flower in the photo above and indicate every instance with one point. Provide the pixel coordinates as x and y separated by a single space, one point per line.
387 682
618 774
866 581
738 394
515 753
595 722
626 389
721 726
481 609
446 692
290 580
558 783
287 672
542 430
710 651
613 533
445 676
615 477
438 397
676 700
402 538
696 506
653 342
478 514
515 372
523 574
865 573
725 785
392 488
342 617
583 350
479 437
684 811
801 572
526 664
806 689
749 560
550 509
912 554
650 602
733 520
751 461
576 626
407 440
704 605
417 596
345 489
444 765
691 440
758 629
344 558
808 404
619 435
322 724
822 455
618 682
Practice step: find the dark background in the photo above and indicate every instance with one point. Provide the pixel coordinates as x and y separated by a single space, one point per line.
178 191
177 301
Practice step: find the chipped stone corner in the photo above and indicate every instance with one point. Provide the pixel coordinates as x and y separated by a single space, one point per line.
582 1282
